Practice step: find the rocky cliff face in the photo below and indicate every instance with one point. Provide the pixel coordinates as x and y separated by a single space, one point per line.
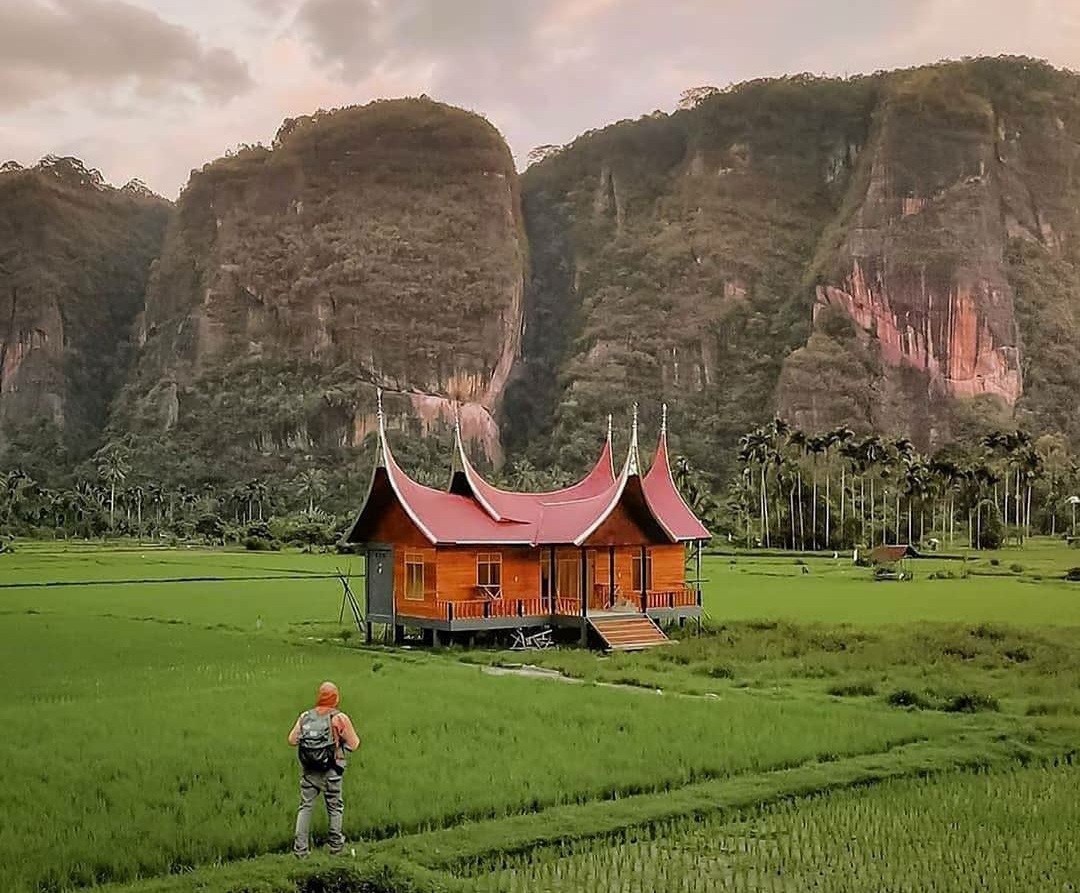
669 257
74 258
889 252
965 161
373 246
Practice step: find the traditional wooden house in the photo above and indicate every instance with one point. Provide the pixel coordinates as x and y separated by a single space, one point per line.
607 556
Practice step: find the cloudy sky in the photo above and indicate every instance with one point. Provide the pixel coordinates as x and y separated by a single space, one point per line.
154 88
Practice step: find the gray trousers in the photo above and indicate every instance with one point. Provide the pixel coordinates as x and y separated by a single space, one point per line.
311 785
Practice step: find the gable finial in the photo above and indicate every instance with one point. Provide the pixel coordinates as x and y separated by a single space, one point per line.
380 415
633 461
609 426
663 419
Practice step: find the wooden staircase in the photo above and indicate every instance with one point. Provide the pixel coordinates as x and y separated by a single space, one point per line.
628 632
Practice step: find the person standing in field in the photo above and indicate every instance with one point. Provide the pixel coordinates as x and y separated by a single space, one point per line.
323 737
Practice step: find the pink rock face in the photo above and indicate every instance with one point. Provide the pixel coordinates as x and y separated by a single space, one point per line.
948 336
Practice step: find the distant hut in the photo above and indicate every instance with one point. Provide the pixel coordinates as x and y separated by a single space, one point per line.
891 562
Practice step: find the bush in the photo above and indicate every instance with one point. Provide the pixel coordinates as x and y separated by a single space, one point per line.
905 697
994 562
970 702
257 544
992 534
721 671
1016 568
1073 575
852 689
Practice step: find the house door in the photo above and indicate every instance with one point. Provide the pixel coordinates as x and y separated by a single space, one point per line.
379 584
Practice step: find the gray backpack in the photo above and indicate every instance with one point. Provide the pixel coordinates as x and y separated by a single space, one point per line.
317 746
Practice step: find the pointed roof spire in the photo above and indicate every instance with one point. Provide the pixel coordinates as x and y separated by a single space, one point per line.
384 448
609 427
633 461
663 420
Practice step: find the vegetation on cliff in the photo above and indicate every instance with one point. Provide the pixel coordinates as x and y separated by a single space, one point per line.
75 255
376 245
891 252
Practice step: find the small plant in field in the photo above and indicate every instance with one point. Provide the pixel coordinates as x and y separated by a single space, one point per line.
1073 575
721 671
1016 568
994 562
970 702
852 690
905 697
989 631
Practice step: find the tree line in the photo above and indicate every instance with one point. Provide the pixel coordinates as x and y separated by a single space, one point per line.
793 490
836 489
106 498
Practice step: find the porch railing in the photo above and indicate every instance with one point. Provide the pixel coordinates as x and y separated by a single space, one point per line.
566 606
681 597
474 609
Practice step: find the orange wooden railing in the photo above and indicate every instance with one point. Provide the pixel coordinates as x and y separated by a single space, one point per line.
430 610
670 598
474 609
569 607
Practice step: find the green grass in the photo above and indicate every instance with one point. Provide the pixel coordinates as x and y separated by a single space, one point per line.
1007 831
746 587
164 744
163 710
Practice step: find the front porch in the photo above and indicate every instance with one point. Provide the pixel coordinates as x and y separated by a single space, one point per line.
497 613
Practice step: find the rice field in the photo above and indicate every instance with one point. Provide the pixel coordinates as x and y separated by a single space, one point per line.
159 684
156 747
1011 831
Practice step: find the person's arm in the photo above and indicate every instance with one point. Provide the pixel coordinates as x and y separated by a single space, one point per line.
346 732
294 735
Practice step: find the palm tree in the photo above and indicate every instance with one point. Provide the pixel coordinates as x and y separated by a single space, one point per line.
311 485
754 449
916 486
113 465
138 494
1029 464
260 491
844 440
798 442
817 446
871 456
1055 460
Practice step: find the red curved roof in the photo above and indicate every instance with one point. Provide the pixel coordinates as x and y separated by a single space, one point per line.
508 505
665 501
487 514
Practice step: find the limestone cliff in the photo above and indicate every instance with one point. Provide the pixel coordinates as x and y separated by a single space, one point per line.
74 258
370 246
895 251
965 161
669 257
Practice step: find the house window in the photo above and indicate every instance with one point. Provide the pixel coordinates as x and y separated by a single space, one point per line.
635 571
489 573
414 576
568 582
